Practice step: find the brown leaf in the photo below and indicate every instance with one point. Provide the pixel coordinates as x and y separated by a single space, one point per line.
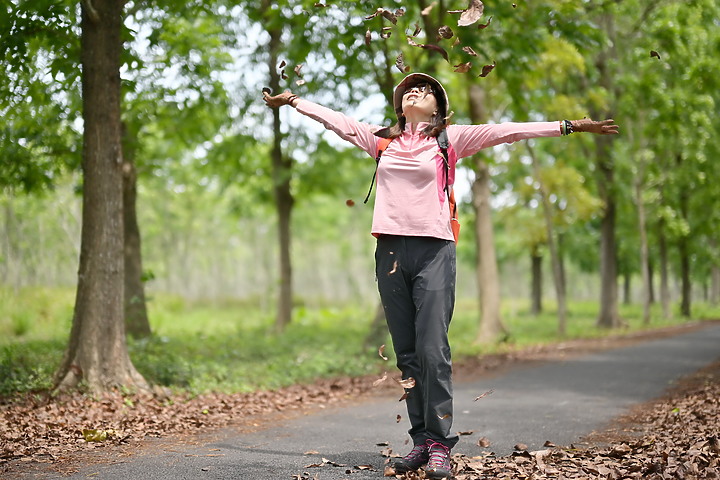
403 397
520 446
417 30
471 14
445 32
434 48
486 69
398 418
368 37
380 380
386 33
466 432
400 63
389 471
297 69
469 51
655 54
426 10
407 383
483 26
463 67
381 350
282 64
483 442
311 452
350 202
489 392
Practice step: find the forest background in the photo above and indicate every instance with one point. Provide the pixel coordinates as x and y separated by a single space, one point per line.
134 138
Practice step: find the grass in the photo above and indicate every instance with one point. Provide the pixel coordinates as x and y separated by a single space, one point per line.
229 346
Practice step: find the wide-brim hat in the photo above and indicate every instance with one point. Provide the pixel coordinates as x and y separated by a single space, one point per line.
414 79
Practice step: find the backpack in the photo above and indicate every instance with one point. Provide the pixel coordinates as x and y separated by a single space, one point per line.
444 144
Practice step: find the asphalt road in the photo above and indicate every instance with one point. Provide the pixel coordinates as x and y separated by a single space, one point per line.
559 401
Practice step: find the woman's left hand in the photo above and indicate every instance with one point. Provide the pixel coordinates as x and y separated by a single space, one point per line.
284 98
604 127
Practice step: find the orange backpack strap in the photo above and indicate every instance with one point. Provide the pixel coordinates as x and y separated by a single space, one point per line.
382 144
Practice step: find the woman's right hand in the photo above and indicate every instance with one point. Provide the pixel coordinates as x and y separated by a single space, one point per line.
284 98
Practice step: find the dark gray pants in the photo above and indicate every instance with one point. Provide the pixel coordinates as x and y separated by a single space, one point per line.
416 280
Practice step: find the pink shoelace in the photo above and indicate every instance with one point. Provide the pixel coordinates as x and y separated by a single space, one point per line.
439 456
416 452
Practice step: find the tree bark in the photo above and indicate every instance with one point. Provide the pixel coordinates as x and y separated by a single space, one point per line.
97 353
664 277
491 325
684 253
282 171
536 281
644 250
137 323
552 246
608 316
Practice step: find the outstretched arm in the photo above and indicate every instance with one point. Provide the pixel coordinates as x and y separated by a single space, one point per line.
358 133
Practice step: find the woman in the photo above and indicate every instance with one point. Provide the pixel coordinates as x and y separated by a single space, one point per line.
415 254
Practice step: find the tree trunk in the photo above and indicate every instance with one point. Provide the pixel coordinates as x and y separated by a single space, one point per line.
644 255
684 253
714 284
627 286
552 246
97 352
664 279
536 281
491 326
282 169
608 316
136 317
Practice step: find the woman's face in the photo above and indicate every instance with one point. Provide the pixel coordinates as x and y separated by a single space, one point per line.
419 102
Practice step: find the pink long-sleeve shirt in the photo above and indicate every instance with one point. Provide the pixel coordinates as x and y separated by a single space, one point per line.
410 197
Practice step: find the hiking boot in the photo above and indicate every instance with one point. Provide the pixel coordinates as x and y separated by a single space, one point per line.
438 465
417 457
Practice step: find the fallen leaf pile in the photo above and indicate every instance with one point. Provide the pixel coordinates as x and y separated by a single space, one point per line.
671 439
677 437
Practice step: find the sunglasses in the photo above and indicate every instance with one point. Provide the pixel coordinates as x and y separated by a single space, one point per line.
423 88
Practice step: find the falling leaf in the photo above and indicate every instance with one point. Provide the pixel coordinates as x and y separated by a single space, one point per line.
486 69
426 10
382 444
404 396
483 442
282 64
398 418
282 74
483 26
463 67
469 51
381 350
267 90
320 5
417 30
434 48
655 54
549 444
394 268
520 447
368 37
350 202
392 17
386 452
407 383
445 32
297 69
400 63
471 14
489 392
514 5
466 432
380 380
386 33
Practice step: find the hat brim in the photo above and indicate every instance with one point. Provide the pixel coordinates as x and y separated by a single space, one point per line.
414 79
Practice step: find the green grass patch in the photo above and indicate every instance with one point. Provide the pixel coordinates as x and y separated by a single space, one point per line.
230 346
